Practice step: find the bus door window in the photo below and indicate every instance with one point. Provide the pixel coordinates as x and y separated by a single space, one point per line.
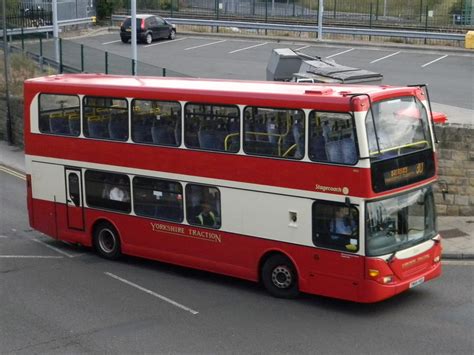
335 226
332 138
157 198
274 132
108 190
74 189
203 206
156 122
105 118
59 114
212 127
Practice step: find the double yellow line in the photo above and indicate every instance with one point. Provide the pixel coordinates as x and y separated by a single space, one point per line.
12 172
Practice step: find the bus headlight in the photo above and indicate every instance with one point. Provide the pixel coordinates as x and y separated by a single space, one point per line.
387 279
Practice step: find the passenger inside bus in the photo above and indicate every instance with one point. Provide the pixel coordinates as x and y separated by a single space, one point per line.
203 205
206 216
118 193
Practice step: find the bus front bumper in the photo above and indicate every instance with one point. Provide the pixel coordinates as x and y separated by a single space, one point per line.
372 291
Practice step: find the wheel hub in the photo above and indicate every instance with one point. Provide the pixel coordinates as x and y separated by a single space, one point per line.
281 277
107 240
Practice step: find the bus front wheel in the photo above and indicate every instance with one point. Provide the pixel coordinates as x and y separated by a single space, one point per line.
107 241
279 277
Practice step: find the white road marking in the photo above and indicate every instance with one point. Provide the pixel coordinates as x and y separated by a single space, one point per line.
299 49
12 172
3 237
460 262
387 56
165 42
30 257
346 51
434 61
205 45
244 49
53 248
163 298
112 42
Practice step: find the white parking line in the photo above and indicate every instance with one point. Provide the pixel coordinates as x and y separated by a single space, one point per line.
387 56
163 298
346 51
434 61
165 42
53 248
204 45
243 49
299 49
112 42
30 257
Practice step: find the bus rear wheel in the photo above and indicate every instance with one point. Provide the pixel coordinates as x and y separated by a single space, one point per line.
279 277
107 241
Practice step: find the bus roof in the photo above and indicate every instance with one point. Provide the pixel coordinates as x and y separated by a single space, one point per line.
271 89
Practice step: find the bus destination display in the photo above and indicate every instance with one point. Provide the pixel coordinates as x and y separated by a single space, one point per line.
405 173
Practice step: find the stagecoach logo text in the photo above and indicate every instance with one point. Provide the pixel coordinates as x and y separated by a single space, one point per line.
333 189
186 232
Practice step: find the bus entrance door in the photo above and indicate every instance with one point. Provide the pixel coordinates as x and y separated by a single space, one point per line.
74 199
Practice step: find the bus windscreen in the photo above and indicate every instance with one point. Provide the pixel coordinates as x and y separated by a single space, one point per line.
400 222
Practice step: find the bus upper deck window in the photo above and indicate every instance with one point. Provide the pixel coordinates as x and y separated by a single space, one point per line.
332 138
59 114
156 122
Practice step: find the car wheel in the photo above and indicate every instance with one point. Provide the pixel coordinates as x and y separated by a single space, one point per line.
107 241
279 277
172 34
124 40
148 38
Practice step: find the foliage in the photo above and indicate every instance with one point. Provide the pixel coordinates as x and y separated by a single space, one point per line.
166 4
20 69
105 8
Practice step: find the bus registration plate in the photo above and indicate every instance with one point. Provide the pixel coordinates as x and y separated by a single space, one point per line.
417 282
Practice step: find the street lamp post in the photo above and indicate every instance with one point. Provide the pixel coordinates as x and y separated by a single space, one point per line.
7 89
133 4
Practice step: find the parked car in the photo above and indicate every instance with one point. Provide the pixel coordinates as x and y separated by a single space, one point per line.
149 27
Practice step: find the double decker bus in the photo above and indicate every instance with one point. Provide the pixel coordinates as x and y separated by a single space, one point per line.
305 188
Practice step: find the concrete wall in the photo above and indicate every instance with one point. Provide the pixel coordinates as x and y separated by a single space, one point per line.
455 153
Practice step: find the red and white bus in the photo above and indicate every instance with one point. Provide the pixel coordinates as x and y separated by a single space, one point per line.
319 189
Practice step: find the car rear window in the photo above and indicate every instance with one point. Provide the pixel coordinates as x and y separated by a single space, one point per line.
128 22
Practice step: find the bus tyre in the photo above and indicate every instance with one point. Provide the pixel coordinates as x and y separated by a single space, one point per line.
107 241
279 277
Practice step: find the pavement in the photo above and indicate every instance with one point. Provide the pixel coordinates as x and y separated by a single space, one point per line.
457 231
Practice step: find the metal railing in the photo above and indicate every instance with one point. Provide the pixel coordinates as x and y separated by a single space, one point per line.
311 29
48 28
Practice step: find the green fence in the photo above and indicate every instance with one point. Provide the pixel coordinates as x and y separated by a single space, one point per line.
67 56
382 13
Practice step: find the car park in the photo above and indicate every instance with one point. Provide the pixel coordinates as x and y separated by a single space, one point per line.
149 28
